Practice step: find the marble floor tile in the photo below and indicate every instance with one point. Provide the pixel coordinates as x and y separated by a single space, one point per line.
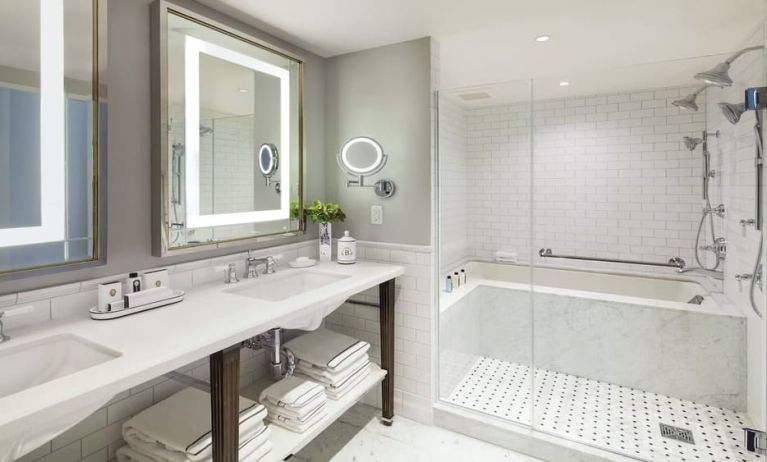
359 436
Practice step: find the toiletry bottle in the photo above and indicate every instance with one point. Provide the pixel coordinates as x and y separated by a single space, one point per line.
347 249
133 283
448 284
463 277
457 280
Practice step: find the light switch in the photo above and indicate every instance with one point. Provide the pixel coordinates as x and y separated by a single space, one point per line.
376 215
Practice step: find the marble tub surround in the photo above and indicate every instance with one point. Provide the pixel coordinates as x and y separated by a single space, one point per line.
156 342
640 345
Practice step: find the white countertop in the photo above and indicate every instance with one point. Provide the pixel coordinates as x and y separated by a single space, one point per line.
155 342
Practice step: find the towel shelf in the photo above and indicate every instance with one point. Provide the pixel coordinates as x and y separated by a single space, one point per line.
285 442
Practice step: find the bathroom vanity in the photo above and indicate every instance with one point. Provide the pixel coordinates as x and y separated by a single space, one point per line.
212 321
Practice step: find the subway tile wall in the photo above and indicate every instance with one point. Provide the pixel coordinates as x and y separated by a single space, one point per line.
413 331
453 184
611 176
97 437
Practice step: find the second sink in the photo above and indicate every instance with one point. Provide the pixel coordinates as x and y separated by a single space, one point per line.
277 287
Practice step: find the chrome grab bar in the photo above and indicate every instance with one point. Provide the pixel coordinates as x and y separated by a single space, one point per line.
675 262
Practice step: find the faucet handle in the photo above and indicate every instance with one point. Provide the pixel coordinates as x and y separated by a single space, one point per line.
230 272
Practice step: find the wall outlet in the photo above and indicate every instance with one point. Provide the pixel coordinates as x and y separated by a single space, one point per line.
376 215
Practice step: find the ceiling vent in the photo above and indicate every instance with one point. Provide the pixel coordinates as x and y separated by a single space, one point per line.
474 96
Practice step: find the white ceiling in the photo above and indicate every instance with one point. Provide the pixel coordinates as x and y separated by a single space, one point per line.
483 41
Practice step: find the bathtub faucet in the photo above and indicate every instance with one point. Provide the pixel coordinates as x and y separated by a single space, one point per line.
679 263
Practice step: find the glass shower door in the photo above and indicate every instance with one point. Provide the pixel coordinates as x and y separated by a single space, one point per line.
485 327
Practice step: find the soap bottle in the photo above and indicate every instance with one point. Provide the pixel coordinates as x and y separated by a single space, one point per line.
347 249
448 284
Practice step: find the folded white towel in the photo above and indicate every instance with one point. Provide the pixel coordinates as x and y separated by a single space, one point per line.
506 256
327 349
251 450
332 375
297 414
291 392
335 380
181 424
277 416
297 425
338 393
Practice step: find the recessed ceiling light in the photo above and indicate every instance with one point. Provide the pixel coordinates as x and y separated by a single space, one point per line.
543 38
243 90
564 83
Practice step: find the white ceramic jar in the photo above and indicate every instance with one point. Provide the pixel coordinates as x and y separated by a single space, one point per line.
347 249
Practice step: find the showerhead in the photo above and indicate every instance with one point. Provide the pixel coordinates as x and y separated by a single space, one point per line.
719 74
691 143
205 130
732 112
688 102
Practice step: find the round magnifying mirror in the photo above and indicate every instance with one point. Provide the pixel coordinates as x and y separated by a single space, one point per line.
268 159
362 156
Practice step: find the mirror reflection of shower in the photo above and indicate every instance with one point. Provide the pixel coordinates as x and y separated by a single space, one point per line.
177 171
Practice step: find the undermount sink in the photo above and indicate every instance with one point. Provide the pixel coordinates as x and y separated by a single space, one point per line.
28 365
32 364
277 287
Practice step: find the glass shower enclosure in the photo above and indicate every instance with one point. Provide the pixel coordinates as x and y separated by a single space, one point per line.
598 256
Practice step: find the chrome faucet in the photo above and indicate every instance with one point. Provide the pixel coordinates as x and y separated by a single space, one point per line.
679 263
252 263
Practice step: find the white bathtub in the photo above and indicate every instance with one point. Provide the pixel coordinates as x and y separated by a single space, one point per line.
674 291
632 330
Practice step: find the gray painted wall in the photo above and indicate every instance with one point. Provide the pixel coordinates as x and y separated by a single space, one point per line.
129 149
383 93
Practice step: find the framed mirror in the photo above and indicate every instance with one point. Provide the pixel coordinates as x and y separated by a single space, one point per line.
228 135
52 133
362 157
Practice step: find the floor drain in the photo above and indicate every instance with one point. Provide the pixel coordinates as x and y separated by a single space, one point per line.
676 433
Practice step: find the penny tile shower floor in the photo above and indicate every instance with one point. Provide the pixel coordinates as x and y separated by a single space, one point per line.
621 419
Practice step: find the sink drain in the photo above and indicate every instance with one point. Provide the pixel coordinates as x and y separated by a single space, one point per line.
676 433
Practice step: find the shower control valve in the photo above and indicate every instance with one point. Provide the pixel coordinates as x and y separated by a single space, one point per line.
718 210
747 222
743 277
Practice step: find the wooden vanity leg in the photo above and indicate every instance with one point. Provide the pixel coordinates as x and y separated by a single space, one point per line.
224 403
386 312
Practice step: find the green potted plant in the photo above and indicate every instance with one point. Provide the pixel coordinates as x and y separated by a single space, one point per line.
324 214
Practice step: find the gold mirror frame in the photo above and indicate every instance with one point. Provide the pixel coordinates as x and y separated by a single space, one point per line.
160 186
99 170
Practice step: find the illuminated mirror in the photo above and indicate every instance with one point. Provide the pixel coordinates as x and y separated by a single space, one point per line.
49 134
229 140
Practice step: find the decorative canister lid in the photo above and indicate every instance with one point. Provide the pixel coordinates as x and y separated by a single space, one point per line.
347 238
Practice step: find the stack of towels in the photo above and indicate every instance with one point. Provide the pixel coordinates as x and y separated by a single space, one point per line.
294 403
336 361
178 429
